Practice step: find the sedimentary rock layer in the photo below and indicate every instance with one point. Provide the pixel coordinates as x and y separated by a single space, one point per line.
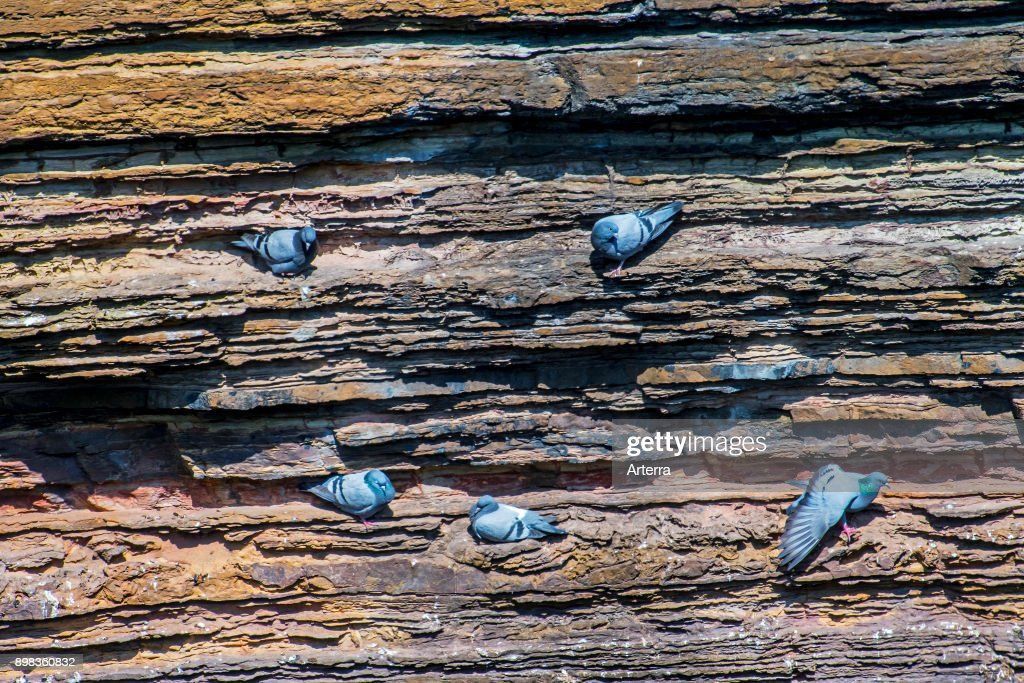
849 253
202 92
77 23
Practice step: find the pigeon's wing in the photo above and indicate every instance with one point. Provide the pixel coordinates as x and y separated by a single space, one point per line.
800 483
283 246
503 525
662 213
329 490
795 504
656 221
821 506
541 526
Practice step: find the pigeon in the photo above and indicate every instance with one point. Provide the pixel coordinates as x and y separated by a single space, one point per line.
826 499
361 494
285 252
500 523
619 237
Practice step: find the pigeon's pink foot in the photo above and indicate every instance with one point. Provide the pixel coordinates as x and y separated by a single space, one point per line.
366 523
848 532
617 272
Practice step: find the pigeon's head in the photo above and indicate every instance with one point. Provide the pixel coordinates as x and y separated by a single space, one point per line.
873 483
380 484
308 235
604 235
485 504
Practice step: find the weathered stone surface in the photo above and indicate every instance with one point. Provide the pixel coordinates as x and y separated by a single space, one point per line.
76 22
140 94
849 258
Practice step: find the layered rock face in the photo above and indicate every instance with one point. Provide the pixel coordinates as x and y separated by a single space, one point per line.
850 249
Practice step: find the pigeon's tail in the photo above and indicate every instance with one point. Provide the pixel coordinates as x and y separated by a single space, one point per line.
248 242
318 490
545 526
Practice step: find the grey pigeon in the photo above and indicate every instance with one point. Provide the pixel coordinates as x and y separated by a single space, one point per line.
285 252
619 237
500 523
826 499
362 494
